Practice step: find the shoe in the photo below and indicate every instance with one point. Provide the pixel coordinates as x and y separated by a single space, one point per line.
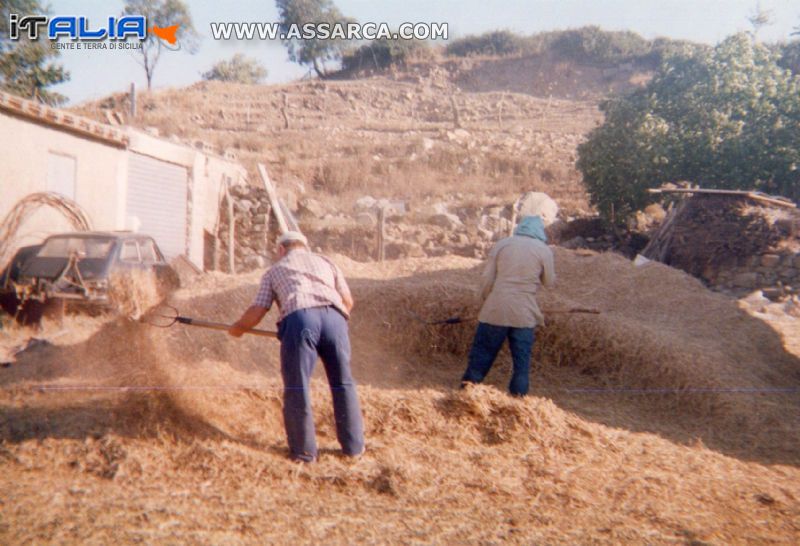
304 458
356 455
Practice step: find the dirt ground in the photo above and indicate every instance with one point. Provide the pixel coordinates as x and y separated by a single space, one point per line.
121 432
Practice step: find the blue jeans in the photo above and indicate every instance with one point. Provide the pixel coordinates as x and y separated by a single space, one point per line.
306 334
488 340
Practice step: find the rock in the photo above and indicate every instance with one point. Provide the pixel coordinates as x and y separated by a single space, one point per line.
415 251
575 242
770 260
312 207
746 280
458 135
446 220
485 234
554 231
439 208
243 205
365 203
773 293
290 200
494 212
366 219
792 307
656 212
427 144
503 227
536 203
420 237
255 262
392 207
404 250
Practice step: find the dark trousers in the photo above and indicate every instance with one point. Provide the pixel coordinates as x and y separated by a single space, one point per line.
304 335
485 346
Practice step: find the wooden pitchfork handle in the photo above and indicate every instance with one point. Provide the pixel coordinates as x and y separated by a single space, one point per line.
223 326
572 310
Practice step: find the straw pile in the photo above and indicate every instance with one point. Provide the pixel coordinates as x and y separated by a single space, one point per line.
176 435
134 292
658 329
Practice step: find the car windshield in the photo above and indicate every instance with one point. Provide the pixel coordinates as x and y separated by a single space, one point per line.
63 247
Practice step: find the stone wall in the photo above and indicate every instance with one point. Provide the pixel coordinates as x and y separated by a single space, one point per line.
777 274
252 221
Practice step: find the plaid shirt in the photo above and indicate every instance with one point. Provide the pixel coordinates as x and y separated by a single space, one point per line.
300 280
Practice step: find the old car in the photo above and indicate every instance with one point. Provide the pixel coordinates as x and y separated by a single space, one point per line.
80 267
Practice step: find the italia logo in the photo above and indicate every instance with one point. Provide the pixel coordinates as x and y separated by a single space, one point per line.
78 28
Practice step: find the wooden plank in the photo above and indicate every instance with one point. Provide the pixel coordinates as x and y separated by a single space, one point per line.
231 233
273 199
757 196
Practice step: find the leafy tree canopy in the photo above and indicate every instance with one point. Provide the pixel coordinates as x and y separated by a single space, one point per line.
239 69
312 52
724 118
27 67
162 13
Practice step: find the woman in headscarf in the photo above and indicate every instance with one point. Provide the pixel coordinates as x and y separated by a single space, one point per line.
516 268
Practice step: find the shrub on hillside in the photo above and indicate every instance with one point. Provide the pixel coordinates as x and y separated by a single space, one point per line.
498 42
238 69
725 118
790 56
592 45
383 53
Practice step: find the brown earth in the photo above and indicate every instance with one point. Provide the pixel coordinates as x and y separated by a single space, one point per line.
670 417
431 131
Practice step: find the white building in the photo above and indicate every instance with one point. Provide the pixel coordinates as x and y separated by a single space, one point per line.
123 178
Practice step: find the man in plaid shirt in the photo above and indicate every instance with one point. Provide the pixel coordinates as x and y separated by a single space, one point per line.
315 303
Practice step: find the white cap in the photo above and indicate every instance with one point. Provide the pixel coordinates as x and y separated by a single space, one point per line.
292 237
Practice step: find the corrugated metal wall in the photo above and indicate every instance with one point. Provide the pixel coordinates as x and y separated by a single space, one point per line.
157 195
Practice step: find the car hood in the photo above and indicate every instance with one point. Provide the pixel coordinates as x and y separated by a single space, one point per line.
51 268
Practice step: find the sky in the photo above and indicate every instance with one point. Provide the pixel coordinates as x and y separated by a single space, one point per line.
95 74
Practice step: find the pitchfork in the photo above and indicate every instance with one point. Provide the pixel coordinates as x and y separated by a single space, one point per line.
165 316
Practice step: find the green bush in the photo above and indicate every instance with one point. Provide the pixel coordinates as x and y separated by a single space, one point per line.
596 46
238 69
498 42
724 118
383 53
586 45
790 56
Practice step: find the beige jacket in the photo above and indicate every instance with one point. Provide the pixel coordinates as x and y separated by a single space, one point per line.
516 268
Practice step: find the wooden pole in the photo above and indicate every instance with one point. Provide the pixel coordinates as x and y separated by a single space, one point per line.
285 111
231 234
273 199
133 100
381 234
456 117
514 214
215 253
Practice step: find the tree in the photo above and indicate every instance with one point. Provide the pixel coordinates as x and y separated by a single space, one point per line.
162 13
25 65
759 18
726 118
313 51
238 69
383 53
